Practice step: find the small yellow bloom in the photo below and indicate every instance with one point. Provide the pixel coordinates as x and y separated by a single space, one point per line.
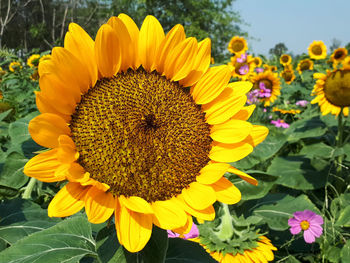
317 50
14 65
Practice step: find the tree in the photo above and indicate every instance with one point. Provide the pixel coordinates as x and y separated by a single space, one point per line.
278 50
335 43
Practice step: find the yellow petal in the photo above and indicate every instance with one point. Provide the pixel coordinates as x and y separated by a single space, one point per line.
203 214
58 97
99 206
134 34
133 229
213 82
198 196
46 128
221 152
257 135
66 150
43 167
77 173
244 176
168 214
45 105
212 172
127 49
186 228
240 88
136 204
231 131
244 113
68 68
80 44
223 107
226 192
201 64
172 38
107 51
68 201
150 38
180 59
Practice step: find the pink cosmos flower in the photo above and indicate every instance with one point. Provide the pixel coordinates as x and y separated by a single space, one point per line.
308 221
264 92
280 124
242 58
259 70
243 70
192 234
302 103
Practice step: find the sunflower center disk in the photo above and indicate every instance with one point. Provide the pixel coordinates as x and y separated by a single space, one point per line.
317 50
237 46
141 134
304 66
337 88
268 84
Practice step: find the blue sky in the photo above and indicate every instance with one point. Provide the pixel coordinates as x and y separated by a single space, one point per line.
294 22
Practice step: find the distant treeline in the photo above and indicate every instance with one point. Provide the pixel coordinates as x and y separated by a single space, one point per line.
41 24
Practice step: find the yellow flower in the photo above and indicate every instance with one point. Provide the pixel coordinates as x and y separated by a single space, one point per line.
33 60
339 54
257 61
243 69
14 65
45 57
332 91
346 63
291 111
140 127
285 59
269 67
288 75
271 82
317 50
305 64
260 254
237 45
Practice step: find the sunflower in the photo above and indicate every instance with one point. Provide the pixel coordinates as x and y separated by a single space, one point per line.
305 64
339 54
285 59
45 57
317 50
140 127
271 82
257 61
261 253
14 65
241 68
237 45
288 75
33 60
346 63
332 91
269 67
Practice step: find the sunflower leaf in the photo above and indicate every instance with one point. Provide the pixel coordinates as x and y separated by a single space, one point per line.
68 241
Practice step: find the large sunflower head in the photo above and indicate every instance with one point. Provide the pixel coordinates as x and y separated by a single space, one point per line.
238 45
305 64
317 50
140 127
271 82
288 75
285 59
332 91
339 54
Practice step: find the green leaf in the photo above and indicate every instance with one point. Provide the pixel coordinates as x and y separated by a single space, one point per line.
68 241
249 192
345 253
4 114
306 128
108 248
298 173
344 217
276 215
291 259
156 248
318 149
184 251
20 218
12 174
332 253
265 150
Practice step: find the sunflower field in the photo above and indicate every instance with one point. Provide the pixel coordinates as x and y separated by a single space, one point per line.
140 144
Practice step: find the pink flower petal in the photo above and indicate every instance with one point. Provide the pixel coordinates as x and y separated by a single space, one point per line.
308 236
293 222
171 234
193 232
317 219
295 229
316 230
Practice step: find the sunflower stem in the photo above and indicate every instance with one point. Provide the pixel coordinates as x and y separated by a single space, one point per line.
339 144
226 227
27 194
